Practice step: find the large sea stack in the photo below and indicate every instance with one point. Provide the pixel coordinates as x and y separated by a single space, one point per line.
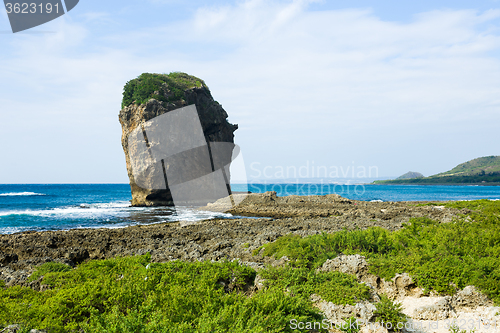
152 95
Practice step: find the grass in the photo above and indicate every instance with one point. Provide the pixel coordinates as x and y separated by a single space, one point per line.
389 312
163 87
334 287
134 295
439 256
48 267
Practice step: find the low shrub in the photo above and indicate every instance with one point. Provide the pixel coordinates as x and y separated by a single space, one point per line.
439 256
133 295
335 287
49 267
389 314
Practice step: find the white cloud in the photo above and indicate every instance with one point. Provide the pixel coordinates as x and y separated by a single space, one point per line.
330 86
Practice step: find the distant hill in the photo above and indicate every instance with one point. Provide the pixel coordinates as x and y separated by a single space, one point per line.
481 165
410 175
483 170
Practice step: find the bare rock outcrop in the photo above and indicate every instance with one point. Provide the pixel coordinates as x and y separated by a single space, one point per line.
152 95
433 311
337 314
352 264
469 297
340 209
400 286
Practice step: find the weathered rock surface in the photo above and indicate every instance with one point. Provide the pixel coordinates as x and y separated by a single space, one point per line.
335 206
212 116
469 297
338 313
428 308
17 328
353 264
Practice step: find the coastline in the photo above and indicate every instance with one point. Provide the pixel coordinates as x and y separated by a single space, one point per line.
216 239
247 240
440 184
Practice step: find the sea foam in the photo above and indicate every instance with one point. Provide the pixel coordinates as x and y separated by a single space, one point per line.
19 194
81 211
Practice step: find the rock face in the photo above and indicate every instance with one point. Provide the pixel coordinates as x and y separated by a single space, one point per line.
152 95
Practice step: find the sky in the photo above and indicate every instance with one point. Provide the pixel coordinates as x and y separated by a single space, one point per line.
383 87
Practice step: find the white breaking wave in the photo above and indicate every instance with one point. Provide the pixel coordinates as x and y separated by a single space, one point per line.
109 211
11 230
191 215
19 194
93 211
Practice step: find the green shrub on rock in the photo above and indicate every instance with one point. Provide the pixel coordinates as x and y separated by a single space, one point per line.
49 267
335 287
389 314
350 325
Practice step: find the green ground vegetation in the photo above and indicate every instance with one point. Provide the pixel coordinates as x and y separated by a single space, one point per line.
389 312
163 87
134 295
334 287
439 256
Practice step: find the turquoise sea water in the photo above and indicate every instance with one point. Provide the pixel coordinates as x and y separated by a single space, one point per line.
380 192
55 207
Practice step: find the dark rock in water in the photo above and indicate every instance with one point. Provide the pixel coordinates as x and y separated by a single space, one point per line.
153 95
411 175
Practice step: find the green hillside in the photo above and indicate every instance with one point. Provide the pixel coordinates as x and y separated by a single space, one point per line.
481 165
483 170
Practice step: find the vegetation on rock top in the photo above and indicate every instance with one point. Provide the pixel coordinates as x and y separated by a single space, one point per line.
162 87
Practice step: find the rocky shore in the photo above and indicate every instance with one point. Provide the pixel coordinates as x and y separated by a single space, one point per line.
259 219
271 217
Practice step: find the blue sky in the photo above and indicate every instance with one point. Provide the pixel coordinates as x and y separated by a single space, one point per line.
388 84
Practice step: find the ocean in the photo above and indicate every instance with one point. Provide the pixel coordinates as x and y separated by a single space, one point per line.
69 206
